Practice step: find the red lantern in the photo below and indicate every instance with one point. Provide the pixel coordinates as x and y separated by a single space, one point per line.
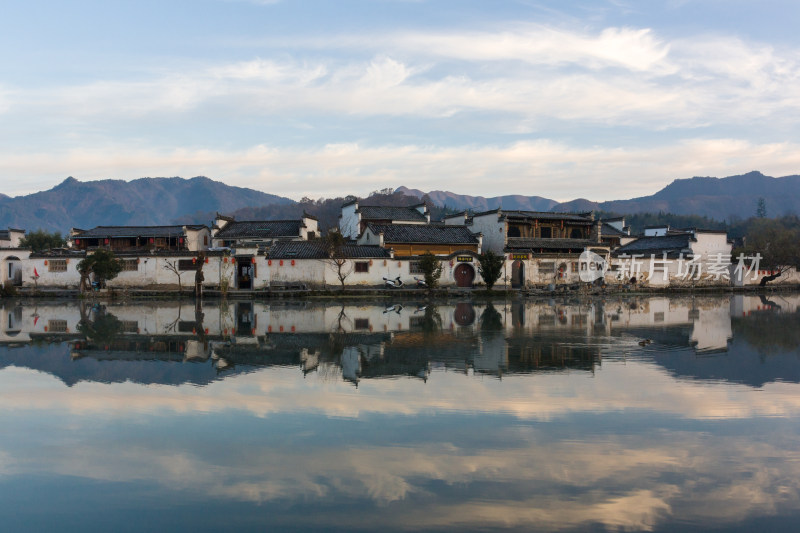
281 262
292 329
152 240
225 259
77 241
180 240
292 262
269 262
105 241
253 260
194 260
45 262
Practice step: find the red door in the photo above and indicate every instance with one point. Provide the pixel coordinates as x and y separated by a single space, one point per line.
464 275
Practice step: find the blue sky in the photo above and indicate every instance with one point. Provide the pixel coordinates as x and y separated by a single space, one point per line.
598 99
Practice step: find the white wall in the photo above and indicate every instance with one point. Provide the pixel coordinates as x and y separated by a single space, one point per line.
493 230
349 221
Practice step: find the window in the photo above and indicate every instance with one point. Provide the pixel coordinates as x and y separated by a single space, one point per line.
574 266
576 234
547 267
205 240
129 326
546 233
312 235
361 323
130 265
513 231
414 268
57 265
188 264
362 266
57 326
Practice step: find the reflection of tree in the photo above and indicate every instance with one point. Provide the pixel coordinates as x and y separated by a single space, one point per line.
432 321
491 319
104 329
769 332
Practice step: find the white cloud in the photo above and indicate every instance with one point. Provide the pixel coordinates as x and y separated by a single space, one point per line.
543 168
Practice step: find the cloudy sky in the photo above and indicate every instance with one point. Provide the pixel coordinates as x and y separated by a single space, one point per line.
602 99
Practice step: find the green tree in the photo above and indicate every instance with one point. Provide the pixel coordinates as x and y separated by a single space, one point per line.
761 208
431 269
41 241
103 264
490 267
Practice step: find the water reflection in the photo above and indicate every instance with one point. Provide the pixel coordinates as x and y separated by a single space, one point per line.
516 414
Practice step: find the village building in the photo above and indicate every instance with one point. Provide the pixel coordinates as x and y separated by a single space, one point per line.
354 219
12 256
230 233
665 256
541 248
142 239
457 244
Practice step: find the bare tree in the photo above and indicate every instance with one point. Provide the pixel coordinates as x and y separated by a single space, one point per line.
336 259
174 267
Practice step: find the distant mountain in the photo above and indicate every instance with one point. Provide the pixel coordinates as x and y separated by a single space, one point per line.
479 203
718 198
145 201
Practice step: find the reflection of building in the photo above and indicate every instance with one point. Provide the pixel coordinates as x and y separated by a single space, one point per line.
171 343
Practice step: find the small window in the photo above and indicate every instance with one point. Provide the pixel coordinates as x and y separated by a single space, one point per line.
513 231
312 235
361 323
547 268
414 268
546 233
362 266
129 326
576 234
130 265
574 266
57 265
188 264
205 240
57 326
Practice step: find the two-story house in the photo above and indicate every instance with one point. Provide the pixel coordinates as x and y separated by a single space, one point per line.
354 218
229 232
142 239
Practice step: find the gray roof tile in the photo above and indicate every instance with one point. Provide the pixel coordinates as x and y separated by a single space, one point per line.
377 212
269 229
550 244
423 233
101 232
316 250
671 244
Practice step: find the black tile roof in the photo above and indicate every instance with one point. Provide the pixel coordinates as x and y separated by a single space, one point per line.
264 229
377 212
316 250
673 245
609 230
101 232
550 244
539 215
423 233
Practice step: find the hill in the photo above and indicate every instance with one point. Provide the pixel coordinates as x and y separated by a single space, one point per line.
728 198
461 202
145 201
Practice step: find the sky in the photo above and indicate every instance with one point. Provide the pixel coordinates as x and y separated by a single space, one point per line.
599 99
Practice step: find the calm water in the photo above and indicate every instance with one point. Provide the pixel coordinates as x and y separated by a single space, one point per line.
537 415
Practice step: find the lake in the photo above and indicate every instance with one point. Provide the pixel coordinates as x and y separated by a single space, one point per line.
614 414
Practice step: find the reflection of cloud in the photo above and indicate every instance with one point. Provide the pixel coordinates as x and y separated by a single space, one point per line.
623 482
635 386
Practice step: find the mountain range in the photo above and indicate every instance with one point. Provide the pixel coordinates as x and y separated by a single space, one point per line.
145 201
159 201
717 198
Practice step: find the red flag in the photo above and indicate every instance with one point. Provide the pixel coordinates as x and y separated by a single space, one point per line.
35 274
